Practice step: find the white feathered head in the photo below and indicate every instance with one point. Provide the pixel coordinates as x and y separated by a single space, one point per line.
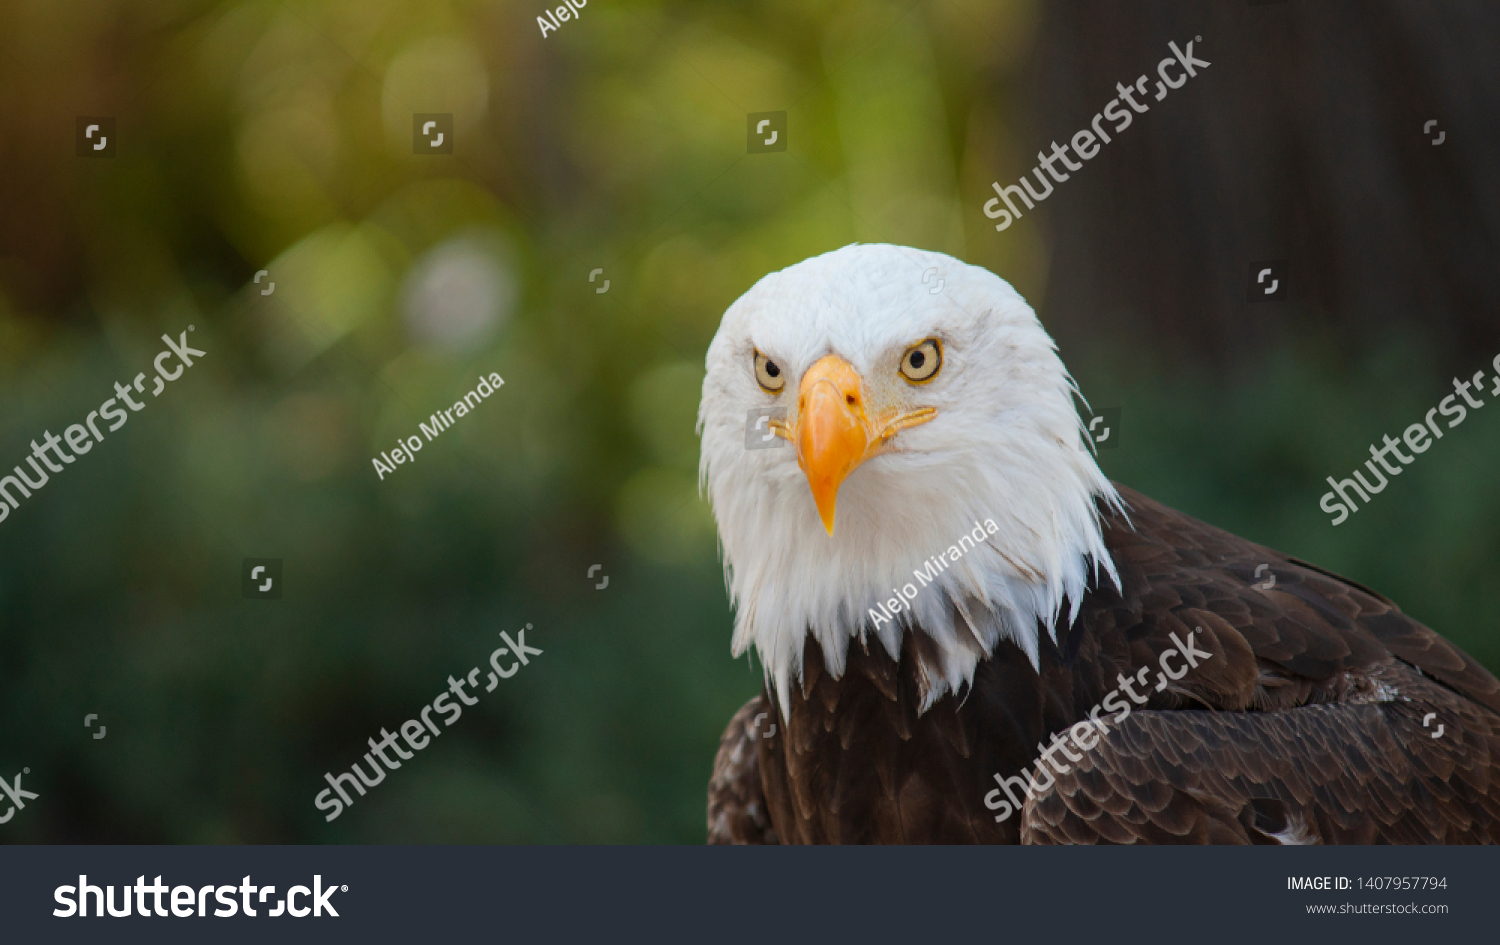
890 445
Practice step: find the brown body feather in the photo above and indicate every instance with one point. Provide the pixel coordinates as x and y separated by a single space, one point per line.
1304 726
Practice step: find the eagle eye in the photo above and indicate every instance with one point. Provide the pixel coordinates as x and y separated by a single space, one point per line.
769 374
922 362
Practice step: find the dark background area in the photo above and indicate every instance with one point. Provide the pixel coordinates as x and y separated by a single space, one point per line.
279 136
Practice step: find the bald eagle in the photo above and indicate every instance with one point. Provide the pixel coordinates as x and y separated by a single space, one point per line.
971 635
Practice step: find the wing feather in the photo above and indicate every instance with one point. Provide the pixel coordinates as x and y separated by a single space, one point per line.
737 811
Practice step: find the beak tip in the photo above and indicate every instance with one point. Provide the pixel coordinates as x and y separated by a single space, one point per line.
825 514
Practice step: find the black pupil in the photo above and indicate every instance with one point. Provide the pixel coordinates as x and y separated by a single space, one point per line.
917 360
772 370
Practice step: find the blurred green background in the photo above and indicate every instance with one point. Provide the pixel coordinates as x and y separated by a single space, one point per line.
278 136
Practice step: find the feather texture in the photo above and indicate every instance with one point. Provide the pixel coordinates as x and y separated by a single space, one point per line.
1305 726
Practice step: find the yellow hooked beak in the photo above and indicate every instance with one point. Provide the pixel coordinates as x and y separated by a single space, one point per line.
834 434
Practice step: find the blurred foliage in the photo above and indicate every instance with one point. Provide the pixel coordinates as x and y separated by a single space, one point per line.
278 136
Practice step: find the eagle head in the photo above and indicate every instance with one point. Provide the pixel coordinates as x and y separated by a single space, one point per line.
890 446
